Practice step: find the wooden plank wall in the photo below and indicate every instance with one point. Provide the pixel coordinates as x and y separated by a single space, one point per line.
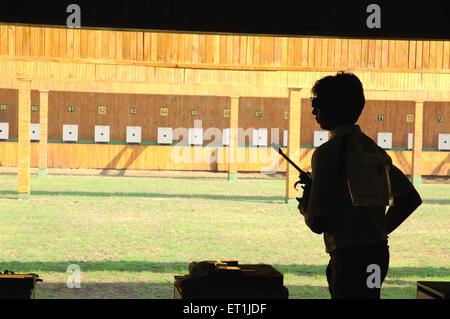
211 113
431 127
272 117
394 120
10 115
118 115
239 51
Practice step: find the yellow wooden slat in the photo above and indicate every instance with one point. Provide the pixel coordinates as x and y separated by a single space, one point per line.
133 46
147 47
119 43
297 48
209 49
26 41
201 48
330 52
243 50
401 55
33 41
4 40
195 48
364 53
324 53
76 43
188 48
338 53
425 54
111 45
432 60
378 53
125 45
236 50
70 43
11 40
97 45
250 50
173 49
419 54
291 52
446 56
384 54
284 51
63 43
91 44
305 46
317 52
105 45
257 51
181 48
439 54
223 49
412 55
357 51
311 48
18 41
154 47
55 40
83 44
345 53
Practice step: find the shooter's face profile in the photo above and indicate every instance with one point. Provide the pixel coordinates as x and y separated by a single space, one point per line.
326 114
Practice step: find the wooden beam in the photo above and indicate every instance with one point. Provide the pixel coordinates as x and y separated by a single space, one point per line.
24 144
233 145
197 89
293 149
43 138
417 144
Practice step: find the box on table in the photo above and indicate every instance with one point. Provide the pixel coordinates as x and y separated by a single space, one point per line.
18 286
233 281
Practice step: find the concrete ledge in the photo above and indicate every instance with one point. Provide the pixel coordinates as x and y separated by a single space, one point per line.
42 172
291 201
416 180
23 195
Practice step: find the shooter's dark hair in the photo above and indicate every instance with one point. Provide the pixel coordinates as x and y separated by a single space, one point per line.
344 90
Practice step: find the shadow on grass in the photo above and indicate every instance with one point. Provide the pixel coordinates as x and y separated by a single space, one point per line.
437 201
264 199
134 290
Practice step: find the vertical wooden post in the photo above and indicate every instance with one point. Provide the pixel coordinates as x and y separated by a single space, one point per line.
43 138
233 146
417 144
293 150
24 144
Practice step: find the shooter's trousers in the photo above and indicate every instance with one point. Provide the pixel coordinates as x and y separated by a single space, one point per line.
353 273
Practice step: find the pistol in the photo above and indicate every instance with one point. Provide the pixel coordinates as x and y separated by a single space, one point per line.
305 177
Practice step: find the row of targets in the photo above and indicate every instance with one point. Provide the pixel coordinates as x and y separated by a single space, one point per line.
195 136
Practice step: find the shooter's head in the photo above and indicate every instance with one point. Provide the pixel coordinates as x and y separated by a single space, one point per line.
337 100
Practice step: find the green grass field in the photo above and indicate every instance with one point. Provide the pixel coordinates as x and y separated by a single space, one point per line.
131 235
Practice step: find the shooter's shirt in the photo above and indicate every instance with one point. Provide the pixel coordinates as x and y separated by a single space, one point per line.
330 202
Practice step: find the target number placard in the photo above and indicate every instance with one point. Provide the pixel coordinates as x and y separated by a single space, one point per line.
102 110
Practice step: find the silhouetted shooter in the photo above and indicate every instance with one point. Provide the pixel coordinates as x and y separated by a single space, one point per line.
353 180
